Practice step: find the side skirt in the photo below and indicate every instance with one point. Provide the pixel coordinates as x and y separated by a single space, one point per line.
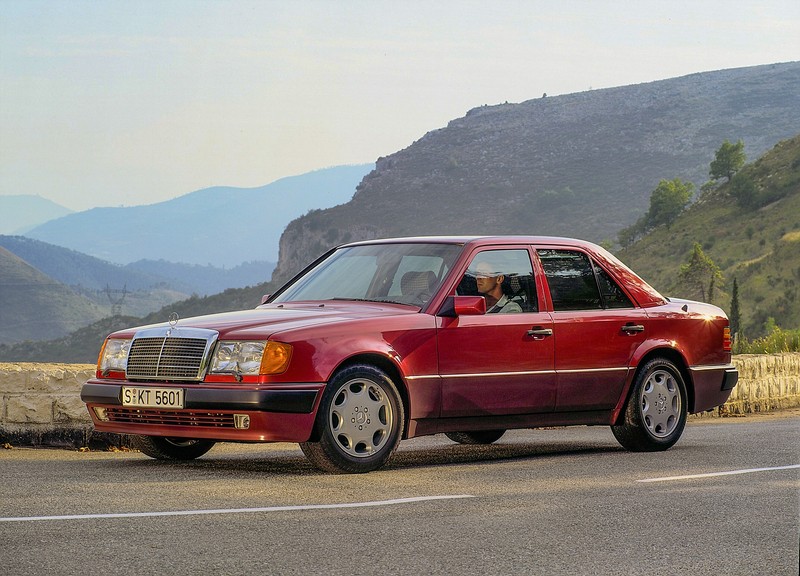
424 427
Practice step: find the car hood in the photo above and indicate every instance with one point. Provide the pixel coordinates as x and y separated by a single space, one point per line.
260 323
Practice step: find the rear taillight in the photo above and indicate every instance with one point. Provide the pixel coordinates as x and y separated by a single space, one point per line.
726 339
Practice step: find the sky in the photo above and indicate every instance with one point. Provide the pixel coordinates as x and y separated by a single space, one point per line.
126 103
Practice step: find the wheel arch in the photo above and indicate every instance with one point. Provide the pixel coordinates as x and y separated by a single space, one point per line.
386 364
668 353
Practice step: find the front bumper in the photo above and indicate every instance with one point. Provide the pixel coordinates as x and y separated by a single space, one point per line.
283 401
211 412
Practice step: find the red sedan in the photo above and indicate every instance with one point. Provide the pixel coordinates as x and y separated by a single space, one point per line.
389 339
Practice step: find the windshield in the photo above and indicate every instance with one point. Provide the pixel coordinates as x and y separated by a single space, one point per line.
400 273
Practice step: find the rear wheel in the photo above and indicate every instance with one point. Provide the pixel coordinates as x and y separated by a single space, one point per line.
359 423
476 437
162 448
655 414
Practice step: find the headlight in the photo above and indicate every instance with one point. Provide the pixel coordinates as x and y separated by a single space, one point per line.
246 358
114 355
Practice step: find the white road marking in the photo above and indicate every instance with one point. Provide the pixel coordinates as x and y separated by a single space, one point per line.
237 510
712 474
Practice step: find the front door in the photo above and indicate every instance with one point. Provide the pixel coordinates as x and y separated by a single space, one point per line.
500 362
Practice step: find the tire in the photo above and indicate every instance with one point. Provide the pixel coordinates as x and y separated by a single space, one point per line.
655 414
162 448
476 437
359 424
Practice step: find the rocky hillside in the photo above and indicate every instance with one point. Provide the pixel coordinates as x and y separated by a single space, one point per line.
750 228
34 306
575 165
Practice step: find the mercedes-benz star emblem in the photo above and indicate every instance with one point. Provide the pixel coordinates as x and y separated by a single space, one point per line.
173 319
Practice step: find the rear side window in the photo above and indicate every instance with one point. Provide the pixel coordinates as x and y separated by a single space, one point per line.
576 283
613 296
571 279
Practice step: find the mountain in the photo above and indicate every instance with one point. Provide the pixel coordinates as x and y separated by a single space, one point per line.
34 306
87 273
575 165
83 345
221 226
205 280
758 244
74 268
21 212
755 241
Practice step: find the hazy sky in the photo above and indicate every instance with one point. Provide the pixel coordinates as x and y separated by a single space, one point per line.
108 103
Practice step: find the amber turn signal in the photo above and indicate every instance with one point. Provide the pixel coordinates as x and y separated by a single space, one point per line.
276 358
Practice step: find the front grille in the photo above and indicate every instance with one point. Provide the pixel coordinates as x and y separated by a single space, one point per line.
169 354
161 418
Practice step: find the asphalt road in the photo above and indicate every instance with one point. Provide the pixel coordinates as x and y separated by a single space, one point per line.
560 501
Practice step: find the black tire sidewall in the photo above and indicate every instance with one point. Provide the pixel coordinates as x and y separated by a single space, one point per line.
333 453
634 416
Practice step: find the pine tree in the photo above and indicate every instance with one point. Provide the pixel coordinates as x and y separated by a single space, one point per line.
736 316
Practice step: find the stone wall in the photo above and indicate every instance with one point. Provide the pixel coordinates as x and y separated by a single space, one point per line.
766 382
40 403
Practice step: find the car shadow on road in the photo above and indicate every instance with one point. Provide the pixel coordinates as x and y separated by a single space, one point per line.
290 461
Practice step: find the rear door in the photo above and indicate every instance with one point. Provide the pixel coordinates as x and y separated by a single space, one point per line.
596 326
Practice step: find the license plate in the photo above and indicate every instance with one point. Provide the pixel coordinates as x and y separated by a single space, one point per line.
152 397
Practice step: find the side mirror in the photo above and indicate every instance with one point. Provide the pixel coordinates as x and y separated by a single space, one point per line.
265 297
464 306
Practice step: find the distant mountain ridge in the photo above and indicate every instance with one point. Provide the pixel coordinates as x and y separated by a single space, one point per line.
34 306
80 270
220 226
580 165
48 291
21 212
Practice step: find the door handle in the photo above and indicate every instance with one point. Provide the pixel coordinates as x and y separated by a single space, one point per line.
538 332
631 328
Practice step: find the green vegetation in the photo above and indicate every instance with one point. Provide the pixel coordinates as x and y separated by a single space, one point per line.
778 340
667 201
728 160
700 276
758 244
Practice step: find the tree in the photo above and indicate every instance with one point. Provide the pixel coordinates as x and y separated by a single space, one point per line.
667 201
736 315
744 190
700 275
728 160
629 235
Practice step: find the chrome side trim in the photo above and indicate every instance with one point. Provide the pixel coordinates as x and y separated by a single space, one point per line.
588 370
521 373
704 367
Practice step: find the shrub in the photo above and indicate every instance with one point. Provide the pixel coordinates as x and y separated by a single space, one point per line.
778 340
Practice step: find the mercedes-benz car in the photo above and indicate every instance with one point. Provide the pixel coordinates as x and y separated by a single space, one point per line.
389 339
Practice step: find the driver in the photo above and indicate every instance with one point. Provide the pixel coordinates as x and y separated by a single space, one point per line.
490 286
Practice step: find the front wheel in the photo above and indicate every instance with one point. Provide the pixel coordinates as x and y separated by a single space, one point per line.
162 448
359 423
655 414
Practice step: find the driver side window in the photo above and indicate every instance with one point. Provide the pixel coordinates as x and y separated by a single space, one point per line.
504 278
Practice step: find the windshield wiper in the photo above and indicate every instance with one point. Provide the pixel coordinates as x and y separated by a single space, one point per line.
372 300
